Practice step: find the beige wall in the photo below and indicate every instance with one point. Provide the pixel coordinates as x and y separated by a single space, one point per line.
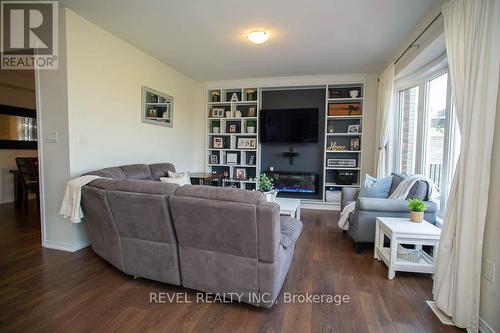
93 101
105 75
490 292
17 88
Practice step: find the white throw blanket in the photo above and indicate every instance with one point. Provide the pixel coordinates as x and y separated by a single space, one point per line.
403 189
400 193
70 207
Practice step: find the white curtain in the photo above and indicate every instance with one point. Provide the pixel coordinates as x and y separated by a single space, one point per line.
471 34
384 120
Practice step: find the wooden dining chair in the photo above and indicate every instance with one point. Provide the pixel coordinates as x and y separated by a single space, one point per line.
28 174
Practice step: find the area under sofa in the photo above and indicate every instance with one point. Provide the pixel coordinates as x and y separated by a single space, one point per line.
212 239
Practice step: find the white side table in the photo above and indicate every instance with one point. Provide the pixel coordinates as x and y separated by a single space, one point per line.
289 207
403 231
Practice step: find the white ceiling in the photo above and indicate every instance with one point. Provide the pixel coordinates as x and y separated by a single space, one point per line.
205 39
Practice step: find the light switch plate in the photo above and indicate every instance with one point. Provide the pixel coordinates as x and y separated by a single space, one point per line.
52 137
489 271
83 138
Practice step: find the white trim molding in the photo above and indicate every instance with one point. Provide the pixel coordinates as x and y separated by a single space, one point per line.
68 247
484 327
288 81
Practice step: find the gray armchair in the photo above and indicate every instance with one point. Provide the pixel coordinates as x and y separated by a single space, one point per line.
362 219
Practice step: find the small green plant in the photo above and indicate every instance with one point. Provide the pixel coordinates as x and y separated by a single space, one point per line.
417 205
216 123
265 183
251 123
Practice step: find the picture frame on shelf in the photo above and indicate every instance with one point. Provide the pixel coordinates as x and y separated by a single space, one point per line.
152 113
214 159
240 173
354 144
218 142
353 129
232 158
218 112
233 126
341 162
247 143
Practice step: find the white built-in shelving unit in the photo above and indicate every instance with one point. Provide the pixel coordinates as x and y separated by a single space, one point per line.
336 130
234 118
157 108
337 133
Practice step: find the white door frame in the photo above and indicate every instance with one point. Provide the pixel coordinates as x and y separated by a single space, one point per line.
41 182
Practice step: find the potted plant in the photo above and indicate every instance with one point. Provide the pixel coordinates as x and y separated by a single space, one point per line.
215 96
251 126
266 186
216 126
417 208
251 96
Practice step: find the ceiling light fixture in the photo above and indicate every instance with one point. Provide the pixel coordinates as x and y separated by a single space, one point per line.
258 37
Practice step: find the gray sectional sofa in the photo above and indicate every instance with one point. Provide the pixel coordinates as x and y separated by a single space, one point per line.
212 239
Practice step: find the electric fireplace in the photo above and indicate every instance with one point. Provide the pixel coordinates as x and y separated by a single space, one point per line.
295 182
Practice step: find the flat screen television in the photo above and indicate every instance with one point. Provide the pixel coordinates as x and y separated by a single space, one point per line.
289 125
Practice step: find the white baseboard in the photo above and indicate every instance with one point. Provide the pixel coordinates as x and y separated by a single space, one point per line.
319 205
68 247
484 327
443 318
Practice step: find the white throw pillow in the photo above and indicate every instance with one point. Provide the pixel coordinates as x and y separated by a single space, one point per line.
172 174
181 181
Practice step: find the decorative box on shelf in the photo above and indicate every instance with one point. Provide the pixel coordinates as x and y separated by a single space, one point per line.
345 177
333 196
344 109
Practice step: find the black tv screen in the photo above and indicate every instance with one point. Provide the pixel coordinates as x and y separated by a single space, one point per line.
289 125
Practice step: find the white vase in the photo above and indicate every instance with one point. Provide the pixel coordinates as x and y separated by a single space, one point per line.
216 130
416 217
353 93
271 195
250 129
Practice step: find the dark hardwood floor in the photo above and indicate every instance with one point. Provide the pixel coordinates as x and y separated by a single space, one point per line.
44 290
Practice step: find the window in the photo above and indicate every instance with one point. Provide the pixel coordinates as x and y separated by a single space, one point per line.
408 100
435 124
427 137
